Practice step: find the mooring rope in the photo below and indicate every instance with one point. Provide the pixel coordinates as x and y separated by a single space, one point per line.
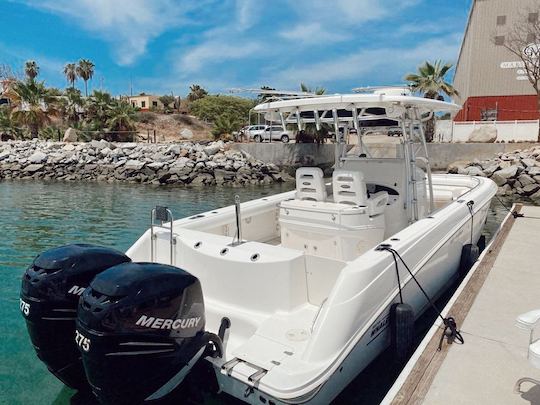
450 331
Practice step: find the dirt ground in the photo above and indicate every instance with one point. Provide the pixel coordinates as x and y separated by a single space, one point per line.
175 127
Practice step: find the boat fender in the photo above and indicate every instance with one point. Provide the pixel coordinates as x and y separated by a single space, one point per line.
50 292
469 255
481 243
401 331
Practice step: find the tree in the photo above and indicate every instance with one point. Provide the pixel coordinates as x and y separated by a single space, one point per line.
225 124
98 108
166 100
210 108
72 105
430 80
32 105
121 118
70 71
196 92
319 91
521 40
8 128
31 69
85 70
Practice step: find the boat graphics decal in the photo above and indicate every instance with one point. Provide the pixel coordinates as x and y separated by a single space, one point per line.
162 323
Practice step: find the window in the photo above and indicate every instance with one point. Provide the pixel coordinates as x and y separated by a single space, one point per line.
143 104
533 17
154 103
501 20
133 104
531 38
499 40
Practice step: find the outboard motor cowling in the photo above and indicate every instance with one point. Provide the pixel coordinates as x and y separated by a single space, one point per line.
50 292
140 329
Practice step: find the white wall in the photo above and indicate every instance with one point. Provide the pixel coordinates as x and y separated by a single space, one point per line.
516 131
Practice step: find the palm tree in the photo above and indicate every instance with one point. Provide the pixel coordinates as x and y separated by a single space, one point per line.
70 71
72 105
31 69
98 107
85 70
319 91
121 118
430 80
196 92
32 105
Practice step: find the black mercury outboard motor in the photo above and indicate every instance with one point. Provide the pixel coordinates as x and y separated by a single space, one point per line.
140 329
50 292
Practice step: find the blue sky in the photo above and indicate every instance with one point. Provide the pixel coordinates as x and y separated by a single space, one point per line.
166 45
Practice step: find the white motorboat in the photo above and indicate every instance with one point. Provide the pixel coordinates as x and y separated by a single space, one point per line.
293 293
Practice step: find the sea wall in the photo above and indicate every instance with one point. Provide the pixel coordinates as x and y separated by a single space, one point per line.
182 163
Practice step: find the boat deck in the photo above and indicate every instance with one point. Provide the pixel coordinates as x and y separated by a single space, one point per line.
504 284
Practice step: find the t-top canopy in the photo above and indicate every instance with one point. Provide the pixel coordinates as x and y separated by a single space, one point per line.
358 101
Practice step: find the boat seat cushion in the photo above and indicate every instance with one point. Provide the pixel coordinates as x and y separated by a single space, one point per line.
310 184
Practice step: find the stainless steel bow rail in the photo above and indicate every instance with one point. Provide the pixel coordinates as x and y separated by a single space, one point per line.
159 216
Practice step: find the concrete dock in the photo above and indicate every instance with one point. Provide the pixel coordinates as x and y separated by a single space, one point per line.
502 285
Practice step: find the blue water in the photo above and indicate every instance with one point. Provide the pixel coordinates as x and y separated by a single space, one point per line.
36 216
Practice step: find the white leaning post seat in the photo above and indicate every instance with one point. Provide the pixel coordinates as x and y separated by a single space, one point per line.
310 184
528 321
349 187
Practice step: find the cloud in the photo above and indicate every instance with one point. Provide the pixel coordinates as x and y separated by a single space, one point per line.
129 25
312 33
362 64
216 51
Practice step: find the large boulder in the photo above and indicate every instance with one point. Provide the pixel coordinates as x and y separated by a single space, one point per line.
484 134
70 135
186 133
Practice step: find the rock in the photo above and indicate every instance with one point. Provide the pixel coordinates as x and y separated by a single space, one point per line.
70 135
507 172
474 171
484 134
212 149
535 196
530 189
134 164
105 151
528 162
33 168
68 147
505 190
525 179
5 155
533 171
457 167
186 133
37 157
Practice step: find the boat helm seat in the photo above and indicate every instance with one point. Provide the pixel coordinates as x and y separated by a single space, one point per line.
349 187
310 184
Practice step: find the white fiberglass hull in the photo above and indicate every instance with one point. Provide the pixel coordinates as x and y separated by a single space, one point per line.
327 342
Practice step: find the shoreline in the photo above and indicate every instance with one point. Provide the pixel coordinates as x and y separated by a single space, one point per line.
186 163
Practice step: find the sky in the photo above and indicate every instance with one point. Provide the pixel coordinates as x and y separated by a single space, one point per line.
164 46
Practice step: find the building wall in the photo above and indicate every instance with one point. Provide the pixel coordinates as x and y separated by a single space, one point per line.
145 102
524 107
485 69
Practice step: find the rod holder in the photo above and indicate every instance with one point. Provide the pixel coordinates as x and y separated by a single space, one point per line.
238 236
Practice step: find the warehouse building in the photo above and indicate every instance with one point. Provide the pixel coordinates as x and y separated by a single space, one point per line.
490 79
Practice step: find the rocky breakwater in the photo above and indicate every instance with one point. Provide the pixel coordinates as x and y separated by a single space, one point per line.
516 173
184 163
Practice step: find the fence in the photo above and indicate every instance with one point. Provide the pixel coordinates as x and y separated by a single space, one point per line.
507 131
